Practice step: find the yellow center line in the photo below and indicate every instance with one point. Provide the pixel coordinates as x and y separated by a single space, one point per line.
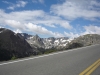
91 68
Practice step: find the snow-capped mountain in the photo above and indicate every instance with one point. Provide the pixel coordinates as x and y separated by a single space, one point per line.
55 42
47 43
20 45
35 41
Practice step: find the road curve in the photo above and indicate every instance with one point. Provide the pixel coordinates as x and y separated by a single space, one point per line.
71 62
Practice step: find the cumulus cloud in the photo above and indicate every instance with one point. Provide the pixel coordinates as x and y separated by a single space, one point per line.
92 29
14 24
41 30
33 20
17 5
61 15
41 1
19 27
38 17
17 31
72 9
6 2
37 29
66 25
21 4
71 35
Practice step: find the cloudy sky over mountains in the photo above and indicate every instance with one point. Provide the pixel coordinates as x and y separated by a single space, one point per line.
47 18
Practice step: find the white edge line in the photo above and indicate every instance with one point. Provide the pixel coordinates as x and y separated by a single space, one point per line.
35 57
42 56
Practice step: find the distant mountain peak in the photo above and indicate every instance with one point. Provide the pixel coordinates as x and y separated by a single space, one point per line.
36 36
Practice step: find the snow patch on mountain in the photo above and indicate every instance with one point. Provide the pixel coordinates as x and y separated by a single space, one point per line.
47 43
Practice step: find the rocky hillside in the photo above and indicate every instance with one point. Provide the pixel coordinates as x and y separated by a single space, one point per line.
22 44
88 39
13 45
46 43
62 42
85 40
55 42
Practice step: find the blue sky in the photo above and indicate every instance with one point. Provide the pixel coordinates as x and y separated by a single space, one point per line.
51 18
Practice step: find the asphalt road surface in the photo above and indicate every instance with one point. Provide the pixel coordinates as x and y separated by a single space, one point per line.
71 62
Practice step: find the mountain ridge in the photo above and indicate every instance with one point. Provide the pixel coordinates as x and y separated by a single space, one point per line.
14 44
47 43
22 44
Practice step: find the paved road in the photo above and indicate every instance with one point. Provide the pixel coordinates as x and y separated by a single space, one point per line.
71 62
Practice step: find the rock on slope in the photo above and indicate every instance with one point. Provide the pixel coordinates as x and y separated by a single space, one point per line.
22 44
88 39
46 43
14 44
84 40
55 42
35 41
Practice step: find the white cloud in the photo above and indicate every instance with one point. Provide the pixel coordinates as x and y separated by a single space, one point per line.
37 17
18 31
61 15
21 4
57 34
72 9
66 25
91 29
96 3
41 30
71 35
37 29
30 27
11 7
14 24
41 1
1 27
17 5
22 23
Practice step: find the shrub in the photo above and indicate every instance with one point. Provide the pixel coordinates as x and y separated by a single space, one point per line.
13 58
